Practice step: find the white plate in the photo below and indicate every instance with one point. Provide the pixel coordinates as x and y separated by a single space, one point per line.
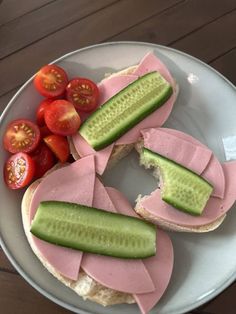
205 264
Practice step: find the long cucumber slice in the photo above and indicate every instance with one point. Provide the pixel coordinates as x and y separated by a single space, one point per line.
125 110
182 188
93 230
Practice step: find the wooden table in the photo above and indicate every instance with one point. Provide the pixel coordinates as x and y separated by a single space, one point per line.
35 32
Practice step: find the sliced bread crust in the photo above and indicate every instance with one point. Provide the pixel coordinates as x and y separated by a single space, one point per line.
169 226
166 225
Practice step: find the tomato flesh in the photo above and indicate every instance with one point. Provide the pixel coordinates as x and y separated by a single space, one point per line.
44 160
61 118
59 146
21 136
83 94
19 171
50 81
41 110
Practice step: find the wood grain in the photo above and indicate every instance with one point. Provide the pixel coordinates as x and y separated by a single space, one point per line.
177 21
5 265
19 297
226 65
10 9
4 99
54 16
210 41
109 21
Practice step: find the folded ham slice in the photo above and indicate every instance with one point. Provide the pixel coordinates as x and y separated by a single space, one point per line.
179 147
130 276
159 266
73 183
189 152
111 86
146 279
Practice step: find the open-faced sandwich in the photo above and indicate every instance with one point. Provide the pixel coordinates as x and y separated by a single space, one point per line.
195 189
133 99
104 279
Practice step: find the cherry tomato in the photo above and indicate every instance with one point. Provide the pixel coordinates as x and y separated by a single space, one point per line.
61 118
21 136
19 170
40 111
83 94
50 81
44 160
44 131
59 145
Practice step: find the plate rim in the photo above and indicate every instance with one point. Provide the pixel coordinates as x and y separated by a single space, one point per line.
9 255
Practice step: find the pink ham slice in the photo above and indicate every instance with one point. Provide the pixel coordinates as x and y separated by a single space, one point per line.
151 63
185 153
114 273
189 152
111 86
215 207
160 269
73 183
159 266
101 156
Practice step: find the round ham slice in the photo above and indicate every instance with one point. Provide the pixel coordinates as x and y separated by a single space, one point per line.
159 266
73 183
111 86
130 276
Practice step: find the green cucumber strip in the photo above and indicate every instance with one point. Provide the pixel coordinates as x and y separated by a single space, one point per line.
182 188
125 109
94 230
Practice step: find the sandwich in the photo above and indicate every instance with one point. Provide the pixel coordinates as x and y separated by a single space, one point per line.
103 279
179 160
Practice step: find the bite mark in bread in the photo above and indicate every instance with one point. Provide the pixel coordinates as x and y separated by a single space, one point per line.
164 224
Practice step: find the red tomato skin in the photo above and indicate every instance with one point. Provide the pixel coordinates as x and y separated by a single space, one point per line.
41 110
19 170
44 131
51 81
61 118
44 160
84 99
59 146
27 130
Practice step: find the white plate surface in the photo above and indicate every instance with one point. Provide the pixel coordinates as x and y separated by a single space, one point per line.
205 264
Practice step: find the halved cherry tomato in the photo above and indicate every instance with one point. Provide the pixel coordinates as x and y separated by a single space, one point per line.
50 81
83 94
21 136
40 111
44 160
44 131
19 170
59 145
61 118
